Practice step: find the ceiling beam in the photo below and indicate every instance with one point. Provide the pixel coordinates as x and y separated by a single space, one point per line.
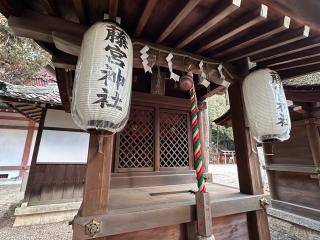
177 20
295 72
258 34
224 9
297 46
67 43
80 11
247 21
284 38
148 9
212 89
298 63
180 63
40 27
113 8
313 52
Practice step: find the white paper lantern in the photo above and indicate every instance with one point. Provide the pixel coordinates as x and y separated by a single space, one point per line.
266 106
102 86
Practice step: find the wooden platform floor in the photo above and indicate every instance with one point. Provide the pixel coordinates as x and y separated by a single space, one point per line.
137 199
136 209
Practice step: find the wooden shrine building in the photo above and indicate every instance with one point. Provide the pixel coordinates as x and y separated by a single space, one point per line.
142 187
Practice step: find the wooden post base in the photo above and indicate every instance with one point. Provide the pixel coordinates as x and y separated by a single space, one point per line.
204 218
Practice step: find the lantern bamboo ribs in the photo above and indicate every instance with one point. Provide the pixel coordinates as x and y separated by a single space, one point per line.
266 106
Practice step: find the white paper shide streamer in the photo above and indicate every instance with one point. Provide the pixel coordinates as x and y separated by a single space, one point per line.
203 76
266 106
144 57
222 80
102 88
173 75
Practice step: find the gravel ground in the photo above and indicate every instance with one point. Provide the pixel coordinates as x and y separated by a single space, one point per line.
228 175
10 197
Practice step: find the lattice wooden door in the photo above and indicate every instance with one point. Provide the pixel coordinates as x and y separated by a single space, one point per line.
174 144
135 144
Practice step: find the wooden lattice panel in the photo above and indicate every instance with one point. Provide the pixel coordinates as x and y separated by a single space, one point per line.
174 148
136 141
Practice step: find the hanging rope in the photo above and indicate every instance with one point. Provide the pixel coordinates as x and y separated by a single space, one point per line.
198 158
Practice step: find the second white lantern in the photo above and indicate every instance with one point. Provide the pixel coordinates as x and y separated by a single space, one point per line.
266 106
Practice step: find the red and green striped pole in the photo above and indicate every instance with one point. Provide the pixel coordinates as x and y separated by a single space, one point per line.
198 158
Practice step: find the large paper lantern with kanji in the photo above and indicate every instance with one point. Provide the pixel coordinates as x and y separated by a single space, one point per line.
102 86
266 106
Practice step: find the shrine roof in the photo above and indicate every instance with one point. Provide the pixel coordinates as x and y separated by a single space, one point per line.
283 35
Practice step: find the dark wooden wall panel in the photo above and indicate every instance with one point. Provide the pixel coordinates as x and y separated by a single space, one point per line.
296 150
56 183
297 188
231 227
173 232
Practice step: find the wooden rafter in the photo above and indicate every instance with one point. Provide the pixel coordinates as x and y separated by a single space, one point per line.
32 115
11 7
71 43
28 108
313 52
51 8
298 63
297 46
282 39
21 105
113 8
35 110
80 10
191 4
145 17
222 11
258 34
246 22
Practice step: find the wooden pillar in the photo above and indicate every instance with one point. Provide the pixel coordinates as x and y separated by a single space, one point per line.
35 156
26 149
98 176
268 154
249 175
204 134
313 129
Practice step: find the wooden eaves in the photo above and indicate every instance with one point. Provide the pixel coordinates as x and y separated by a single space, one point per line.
222 31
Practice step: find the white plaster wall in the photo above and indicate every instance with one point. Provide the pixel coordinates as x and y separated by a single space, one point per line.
63 147
11 146
59 118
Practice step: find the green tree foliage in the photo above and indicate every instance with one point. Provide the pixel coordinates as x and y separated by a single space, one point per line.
20 58
217 106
